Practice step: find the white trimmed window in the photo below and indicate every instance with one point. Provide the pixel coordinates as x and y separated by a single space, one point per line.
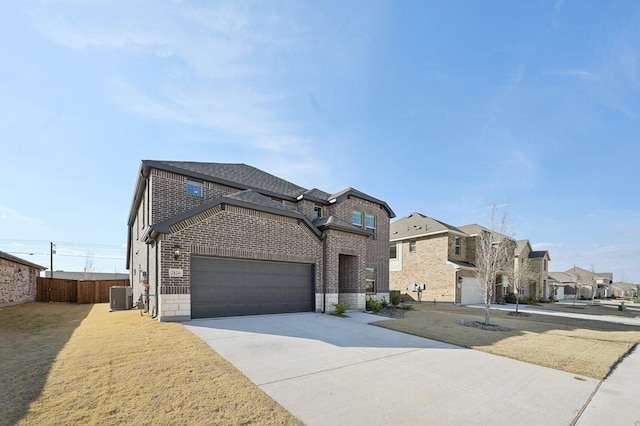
194 188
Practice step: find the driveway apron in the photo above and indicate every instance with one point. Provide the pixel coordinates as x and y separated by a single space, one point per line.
330 370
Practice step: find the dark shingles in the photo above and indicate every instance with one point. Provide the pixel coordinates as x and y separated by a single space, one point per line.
418 224
539 254
247 176
253 197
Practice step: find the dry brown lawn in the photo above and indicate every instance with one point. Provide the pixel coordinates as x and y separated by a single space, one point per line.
584 347
81 364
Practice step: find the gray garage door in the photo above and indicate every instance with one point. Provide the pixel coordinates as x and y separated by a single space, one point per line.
229 287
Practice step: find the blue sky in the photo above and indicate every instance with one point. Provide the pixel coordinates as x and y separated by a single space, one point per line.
443 108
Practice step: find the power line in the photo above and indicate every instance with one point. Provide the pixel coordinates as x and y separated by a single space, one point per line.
66 243
68 255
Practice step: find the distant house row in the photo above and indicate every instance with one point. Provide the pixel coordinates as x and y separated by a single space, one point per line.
581 283
435 261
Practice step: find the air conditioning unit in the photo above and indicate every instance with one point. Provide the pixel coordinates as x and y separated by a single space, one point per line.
120 298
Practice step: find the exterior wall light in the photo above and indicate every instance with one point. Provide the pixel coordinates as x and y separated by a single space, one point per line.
176 251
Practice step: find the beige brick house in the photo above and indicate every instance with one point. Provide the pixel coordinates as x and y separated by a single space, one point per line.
214 239
538 286
425 252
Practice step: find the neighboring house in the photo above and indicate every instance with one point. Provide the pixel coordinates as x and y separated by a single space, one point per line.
18 279
214 239
622 289
538 287
580 282
426 251
90 276
585 281
501 284
563 285
442 257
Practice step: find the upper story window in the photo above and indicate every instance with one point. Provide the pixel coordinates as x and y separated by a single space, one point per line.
393 251
412 246
371 225
356 219
317 211
457 245
194 188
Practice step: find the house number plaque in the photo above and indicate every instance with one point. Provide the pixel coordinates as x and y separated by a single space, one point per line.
175 273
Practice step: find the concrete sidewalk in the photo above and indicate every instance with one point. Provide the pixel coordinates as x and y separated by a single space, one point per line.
617 401
524 308
330 370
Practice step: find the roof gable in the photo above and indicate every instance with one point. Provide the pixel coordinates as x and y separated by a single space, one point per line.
245 199
15 259
351 192
333 222
236 175
417 224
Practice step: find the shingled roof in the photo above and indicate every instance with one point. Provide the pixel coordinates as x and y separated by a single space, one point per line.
233 174
417 224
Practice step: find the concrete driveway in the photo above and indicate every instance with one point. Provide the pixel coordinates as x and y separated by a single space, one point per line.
328 370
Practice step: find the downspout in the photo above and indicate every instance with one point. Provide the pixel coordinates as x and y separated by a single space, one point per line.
148 278
156 308
324 273
456 291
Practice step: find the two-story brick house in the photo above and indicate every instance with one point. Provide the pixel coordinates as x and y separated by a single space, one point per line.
214 239
426 251
538 286
442 257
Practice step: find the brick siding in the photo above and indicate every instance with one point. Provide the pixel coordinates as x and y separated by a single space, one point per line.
242 233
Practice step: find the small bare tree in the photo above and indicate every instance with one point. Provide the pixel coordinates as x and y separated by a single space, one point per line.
578 278
520 274
594 283
89 266
493 253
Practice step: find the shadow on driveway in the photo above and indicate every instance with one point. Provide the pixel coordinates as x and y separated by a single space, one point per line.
330 370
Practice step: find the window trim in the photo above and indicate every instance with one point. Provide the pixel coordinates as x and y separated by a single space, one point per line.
457 246
370 280
317 211
394 244
193 184
353 216
369 228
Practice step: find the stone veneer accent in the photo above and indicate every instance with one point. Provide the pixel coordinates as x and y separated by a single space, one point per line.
175 307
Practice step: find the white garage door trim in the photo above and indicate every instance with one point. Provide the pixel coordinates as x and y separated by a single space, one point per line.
472 291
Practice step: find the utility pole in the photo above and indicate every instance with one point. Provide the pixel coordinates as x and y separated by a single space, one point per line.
52 251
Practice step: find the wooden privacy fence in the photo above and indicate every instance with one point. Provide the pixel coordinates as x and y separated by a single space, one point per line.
74 291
